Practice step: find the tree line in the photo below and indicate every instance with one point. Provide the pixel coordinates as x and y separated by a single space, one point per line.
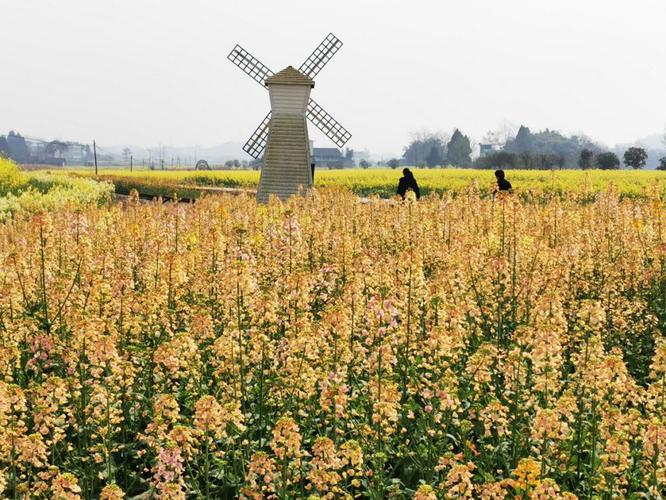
546 149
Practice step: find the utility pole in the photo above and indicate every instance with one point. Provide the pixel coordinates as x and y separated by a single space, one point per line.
95 153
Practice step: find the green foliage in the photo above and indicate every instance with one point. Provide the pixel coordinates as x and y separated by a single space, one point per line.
662 163
4 147
434 158
18 149
393 163
420 148
524 141
585 159
635 158
458 150
501 159
550 144
42 191
524 160
608 161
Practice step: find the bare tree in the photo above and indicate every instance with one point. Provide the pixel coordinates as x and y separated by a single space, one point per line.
506 130
491 137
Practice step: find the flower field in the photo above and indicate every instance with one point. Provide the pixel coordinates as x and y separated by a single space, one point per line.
22 192
453 347
530 185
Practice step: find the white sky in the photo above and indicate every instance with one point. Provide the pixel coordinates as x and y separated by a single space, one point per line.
155 71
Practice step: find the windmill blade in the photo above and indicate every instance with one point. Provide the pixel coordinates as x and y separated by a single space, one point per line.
257 142
250 64
321 55
327 124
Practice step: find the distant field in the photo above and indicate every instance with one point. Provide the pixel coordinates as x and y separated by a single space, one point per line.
382 182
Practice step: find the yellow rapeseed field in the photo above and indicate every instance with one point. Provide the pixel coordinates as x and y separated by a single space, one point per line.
455 347
528 184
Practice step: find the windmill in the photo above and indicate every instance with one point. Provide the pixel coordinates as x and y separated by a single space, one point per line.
283 133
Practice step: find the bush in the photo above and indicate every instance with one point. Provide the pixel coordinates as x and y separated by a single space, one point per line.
40 192
11 178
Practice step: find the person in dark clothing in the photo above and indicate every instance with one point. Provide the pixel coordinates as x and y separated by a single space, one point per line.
312 166
407 181
502 183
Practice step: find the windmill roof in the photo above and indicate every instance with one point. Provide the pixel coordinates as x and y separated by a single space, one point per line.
289 76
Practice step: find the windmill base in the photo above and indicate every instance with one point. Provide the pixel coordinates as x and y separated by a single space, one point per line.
286 169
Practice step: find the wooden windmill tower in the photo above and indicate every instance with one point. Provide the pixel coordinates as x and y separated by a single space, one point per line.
283 133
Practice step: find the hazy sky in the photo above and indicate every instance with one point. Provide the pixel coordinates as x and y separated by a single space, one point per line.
148 71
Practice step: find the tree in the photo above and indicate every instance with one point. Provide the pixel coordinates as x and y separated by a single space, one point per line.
18 149
459 150
127 153
635 158
421 145
585 159
434 158
524 141
4 147
499 159
364 164
393 163
662 163
608 161
564 150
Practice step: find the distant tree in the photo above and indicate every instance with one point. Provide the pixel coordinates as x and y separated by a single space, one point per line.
4 147
560 161
420 147
662 164
635 158
18 149
364 164
127 152
229 163
236 164
585 159
459 150
527 160
434 158
608 161
499 159
552 144
524 141
393 163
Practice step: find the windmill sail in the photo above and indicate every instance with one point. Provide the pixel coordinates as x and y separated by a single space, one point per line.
250 64
320 56
256 144
327 124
